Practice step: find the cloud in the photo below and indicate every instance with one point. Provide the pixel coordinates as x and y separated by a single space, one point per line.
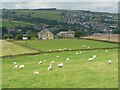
60 0
92 6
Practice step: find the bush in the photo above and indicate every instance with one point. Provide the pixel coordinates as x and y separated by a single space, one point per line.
18 36
8 36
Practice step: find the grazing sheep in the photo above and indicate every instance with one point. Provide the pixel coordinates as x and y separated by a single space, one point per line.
59 49
88 47
40 62
84 45
94 56
60 65
106 50
14 63
50 67
70 49
91 59
21 66
50 50
36 72
67 59
52 62
57 56
77 53
15 66
64 48
44 61
109 61
80 53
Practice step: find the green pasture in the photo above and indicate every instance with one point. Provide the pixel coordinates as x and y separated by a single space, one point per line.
56 44
78 72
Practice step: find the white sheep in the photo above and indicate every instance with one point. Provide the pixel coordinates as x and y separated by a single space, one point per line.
44 61
94 56
40 62
36 72
77 53
14 63
64 48
70 49
106 50
88 47
52 62
80 53
16 66
59 49
91 59
67 59
50 50
57 56
109 61
21 66
50 67
60 65
84 45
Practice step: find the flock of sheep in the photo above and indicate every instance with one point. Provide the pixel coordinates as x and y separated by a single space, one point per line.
60 65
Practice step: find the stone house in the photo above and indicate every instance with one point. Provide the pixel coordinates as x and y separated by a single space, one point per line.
66 34
45 34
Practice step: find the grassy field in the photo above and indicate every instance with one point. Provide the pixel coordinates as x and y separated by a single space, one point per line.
78 72
7 48
56 44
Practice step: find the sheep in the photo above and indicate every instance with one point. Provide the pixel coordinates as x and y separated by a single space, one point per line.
50 50
70 49
94 56
40 62
21 66
50 67
52 62
60 65
77 53
88 47
84 45
44 61
80 53
16 66
67 59
57 56
36 72
59 49
109 61
91 59
64 48
14 63
106 50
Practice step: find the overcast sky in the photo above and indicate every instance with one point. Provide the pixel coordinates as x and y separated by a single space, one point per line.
92 5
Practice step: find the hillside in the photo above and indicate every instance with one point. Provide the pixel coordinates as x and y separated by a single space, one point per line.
34 20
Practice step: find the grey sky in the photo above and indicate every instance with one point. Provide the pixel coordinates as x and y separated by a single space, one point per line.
111 7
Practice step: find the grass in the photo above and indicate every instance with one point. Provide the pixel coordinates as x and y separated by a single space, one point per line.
56 44
8 48
76 73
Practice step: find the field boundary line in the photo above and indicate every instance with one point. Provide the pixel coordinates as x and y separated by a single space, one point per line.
99 40
44 52
11 41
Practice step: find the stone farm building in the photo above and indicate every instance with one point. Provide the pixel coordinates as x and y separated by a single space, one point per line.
45 34
66 34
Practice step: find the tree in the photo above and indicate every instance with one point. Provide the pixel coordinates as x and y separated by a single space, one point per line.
6 36
79 33
18 36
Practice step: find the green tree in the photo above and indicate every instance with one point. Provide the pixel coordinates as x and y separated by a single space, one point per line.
6 36
79 33
18 36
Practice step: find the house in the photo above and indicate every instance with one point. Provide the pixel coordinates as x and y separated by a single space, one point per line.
66 34
45 34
